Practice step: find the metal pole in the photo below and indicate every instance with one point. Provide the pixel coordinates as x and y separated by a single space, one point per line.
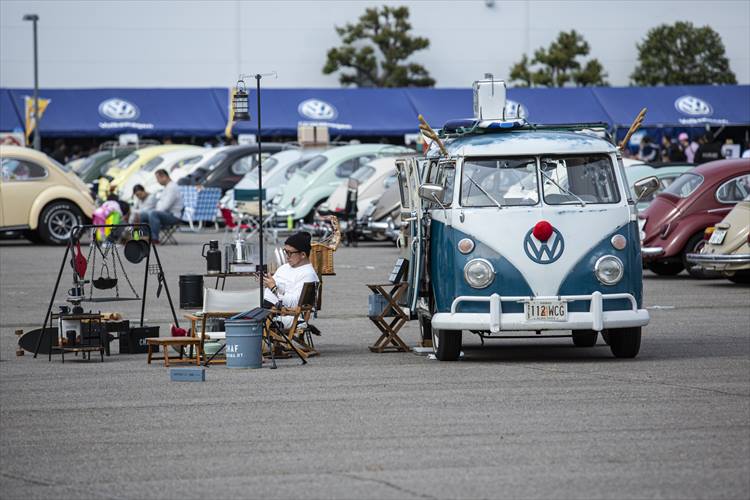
37 138
260 194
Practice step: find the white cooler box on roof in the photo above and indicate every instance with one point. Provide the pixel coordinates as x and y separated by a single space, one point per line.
489 99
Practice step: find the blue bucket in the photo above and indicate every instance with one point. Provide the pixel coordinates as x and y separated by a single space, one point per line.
244 342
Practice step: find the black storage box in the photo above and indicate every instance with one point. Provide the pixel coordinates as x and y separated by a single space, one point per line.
134 341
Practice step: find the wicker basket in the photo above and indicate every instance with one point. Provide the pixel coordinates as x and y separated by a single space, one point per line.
321 257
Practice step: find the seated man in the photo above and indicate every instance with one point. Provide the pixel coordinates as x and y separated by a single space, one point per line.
143 203
285 286
168 206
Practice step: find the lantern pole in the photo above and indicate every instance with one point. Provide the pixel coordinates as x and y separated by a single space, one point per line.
261 265
260 194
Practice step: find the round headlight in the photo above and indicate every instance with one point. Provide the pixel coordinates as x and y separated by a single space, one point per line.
479 273
609 269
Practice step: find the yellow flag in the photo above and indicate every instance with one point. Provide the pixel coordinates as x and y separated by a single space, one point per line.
230 121
30 118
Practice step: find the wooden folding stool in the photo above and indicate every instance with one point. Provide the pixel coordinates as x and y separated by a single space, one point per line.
389 341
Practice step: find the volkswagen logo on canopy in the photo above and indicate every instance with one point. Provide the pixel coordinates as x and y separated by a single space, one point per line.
316 109
693 106
118 109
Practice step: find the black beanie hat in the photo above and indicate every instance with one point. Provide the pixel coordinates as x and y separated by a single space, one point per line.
300 241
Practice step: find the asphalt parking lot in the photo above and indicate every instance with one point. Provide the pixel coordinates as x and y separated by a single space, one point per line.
518 419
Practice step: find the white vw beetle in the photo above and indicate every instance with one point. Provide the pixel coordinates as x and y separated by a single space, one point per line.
522 231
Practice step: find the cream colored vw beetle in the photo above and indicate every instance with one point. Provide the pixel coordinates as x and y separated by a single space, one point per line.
40 197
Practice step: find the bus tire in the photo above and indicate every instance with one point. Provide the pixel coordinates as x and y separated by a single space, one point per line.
446 344
584 338
625 342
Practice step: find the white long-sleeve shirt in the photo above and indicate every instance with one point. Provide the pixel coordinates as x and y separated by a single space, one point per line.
289 282
170 200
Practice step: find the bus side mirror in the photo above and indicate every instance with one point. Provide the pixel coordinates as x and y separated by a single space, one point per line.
431 192
645 187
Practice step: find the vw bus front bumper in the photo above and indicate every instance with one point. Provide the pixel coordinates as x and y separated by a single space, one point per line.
496 320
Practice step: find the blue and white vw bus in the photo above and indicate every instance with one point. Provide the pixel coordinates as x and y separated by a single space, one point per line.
518 231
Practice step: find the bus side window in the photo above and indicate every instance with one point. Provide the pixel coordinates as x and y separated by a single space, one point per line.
445 177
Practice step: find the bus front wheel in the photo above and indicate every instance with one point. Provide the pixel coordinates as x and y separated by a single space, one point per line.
624 342
446 344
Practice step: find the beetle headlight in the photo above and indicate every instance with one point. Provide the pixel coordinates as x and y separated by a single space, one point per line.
479 273
609 269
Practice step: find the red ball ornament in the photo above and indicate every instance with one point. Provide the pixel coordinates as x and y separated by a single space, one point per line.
542 230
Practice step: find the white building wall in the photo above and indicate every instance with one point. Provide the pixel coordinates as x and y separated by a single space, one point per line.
197 44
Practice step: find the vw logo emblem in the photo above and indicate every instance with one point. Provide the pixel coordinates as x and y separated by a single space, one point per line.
316 109
118 109
544 252
515 109
693 106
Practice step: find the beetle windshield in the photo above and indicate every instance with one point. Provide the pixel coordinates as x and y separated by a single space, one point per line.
684 185
579 179
488 182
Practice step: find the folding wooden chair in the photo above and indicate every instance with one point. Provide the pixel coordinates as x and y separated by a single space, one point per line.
288 327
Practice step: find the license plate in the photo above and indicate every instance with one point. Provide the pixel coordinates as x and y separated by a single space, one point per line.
547 310
717 238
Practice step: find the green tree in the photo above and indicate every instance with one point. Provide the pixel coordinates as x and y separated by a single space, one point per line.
376 48
558 65
682 54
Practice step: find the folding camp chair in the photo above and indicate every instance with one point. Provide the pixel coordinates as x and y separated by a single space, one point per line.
219 304
289 327
200 204
247 204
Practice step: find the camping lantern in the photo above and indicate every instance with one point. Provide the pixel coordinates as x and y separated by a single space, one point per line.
239 102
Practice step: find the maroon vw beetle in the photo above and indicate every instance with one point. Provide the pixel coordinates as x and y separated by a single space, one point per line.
673 225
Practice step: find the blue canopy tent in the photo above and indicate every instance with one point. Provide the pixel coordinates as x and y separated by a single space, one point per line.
107 112
346 112
366 111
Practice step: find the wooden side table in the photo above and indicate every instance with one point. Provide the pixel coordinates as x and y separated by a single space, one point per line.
391 318
183 342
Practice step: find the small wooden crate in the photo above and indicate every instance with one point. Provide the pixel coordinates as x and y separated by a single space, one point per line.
321 257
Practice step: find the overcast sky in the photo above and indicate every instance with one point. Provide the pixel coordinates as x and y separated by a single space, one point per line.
207 44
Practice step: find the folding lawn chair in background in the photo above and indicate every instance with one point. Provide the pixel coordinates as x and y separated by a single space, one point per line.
200 205
247 205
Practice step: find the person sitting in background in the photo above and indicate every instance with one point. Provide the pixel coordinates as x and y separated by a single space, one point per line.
142 202
285 286
168 206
